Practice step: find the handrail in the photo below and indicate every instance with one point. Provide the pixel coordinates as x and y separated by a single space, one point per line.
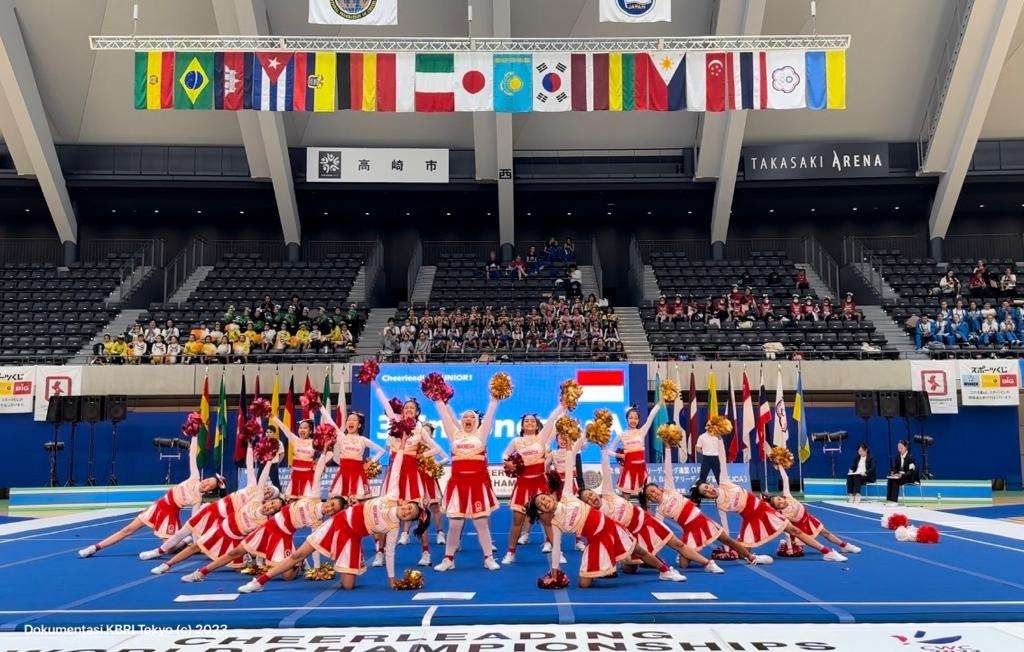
635 271
595 261
856 254
415 263
822 263
434 251
374 269
100 249
133 271
38 251
182 266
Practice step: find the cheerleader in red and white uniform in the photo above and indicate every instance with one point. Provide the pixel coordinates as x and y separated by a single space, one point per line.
634 438
164 515
651 534
349 447
607 542
303 457
698 529
274 540
760 522
802 519
469 494
558 460
341 536
531 445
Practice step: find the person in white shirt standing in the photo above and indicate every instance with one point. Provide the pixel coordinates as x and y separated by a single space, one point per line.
707 448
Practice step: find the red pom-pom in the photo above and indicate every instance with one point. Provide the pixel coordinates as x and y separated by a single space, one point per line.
897 521
555 481
192 424
402 427
435 388
259 408
368 371
725 554
252 430
927 534
265 449
310 400
324 436
396 405
514 465
553 579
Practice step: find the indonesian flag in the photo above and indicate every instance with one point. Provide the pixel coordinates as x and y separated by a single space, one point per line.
602 385
748 417
694 421
474 81
764 417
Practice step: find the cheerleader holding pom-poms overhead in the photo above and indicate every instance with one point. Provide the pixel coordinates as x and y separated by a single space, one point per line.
349 447
163 516
341 536
760 522
469 494
634 460
302 458
525 455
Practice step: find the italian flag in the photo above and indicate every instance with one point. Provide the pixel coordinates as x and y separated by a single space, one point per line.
601 385
435 83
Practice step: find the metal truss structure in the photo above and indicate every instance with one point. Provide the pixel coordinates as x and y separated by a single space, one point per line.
344 44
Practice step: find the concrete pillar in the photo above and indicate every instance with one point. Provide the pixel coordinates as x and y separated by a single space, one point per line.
293 252
718 250
935 248
70 253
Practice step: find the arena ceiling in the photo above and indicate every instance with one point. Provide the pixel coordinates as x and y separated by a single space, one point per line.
892 66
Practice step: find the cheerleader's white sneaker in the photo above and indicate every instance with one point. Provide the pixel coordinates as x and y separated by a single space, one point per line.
160 570
194 576
490 564
762 560
441 538
561 559
524 538
251 587
712 567
672 575
849 547
424 559
87 552
146 555
546 548
403 538
832 555
445 565
378 560
509 558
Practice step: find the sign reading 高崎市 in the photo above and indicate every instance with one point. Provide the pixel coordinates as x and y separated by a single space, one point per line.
383 165
816 161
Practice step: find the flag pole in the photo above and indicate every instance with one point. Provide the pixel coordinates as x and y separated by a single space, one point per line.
801 427
764 456
222 370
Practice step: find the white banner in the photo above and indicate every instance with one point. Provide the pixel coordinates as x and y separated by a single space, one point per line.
17 386
936 378
353 12
364 165
989 382
636 11
55 381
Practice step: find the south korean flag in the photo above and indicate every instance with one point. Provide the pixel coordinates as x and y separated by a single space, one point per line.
552 82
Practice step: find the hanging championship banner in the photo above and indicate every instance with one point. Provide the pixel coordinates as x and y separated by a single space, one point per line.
17 386
363 165
353 12
636 11
55 381
989 382
937 379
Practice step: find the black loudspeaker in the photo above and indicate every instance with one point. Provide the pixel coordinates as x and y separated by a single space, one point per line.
889 404
115 408
865 404
53 410
910 404
924 406
70 408
92 409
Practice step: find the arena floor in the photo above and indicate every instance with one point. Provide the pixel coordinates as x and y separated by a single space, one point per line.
972 575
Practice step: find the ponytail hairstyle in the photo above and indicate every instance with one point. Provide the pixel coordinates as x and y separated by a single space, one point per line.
695 496
422 520
642 496
532 511
555 481
522 419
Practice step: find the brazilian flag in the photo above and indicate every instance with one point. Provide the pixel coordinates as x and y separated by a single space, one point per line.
193 80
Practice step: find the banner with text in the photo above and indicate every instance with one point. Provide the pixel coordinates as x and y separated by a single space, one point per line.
937 379
353 12
816 161
16 389
989 382
365 165
55 381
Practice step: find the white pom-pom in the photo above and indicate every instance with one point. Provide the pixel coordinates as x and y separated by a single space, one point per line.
906 533
885 520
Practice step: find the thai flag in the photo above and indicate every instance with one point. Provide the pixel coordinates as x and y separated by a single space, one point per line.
273 82
602 385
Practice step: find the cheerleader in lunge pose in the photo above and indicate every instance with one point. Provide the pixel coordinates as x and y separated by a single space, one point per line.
302 459
274 541
760 523
163 516
698 529
607 542
531 445
349 445
341 536
469 494
650 533
634 462
802 519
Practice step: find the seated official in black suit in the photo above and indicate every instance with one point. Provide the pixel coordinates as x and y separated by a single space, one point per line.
862 471
904 471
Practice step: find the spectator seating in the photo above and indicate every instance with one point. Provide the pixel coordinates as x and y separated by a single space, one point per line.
460 282
48 312
767 272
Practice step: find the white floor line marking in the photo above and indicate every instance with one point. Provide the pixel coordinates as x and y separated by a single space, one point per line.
428 615
80 527
39 558
841 614
67 519
1006 529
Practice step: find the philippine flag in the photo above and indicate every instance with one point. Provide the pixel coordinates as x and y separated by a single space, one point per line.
602 385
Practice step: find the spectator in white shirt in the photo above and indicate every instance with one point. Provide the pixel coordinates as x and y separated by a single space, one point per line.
170 330
173 351
158 351
949 285
1008 282
707 448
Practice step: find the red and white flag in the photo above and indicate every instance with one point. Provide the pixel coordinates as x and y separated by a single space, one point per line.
474 81
602 385
712 81
694 420
764 417
748 418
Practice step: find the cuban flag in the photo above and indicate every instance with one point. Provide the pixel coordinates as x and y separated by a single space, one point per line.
273 82
602 385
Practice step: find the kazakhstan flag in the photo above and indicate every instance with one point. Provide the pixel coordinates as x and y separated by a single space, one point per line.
513 83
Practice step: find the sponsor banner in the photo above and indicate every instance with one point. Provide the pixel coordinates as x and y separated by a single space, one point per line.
937 379
989 382
381 165
17 387
914 637
55 381
811 161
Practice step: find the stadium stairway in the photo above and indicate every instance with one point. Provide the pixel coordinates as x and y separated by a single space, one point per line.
633 336
865 272
893 332
119 324
818 285
423 285
190 284
589 281
651 289
369 343
358 292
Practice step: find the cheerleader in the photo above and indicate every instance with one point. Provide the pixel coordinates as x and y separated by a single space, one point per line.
340 537
302 459
163 516
531 445
607 542
634 462
802 519
349 446
650 533
760 523
274 540
558 460
698 529
469 494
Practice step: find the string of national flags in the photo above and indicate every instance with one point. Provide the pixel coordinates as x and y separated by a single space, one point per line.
520 82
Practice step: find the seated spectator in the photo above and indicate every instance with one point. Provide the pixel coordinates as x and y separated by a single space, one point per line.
801 281
959 331
989 331
949 285
173 355
533 263
978 283
1007 333
158 350
492 268
849 308
193 349
1008 283
101 350
662 311
923 332
138 349
518 267
568 253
